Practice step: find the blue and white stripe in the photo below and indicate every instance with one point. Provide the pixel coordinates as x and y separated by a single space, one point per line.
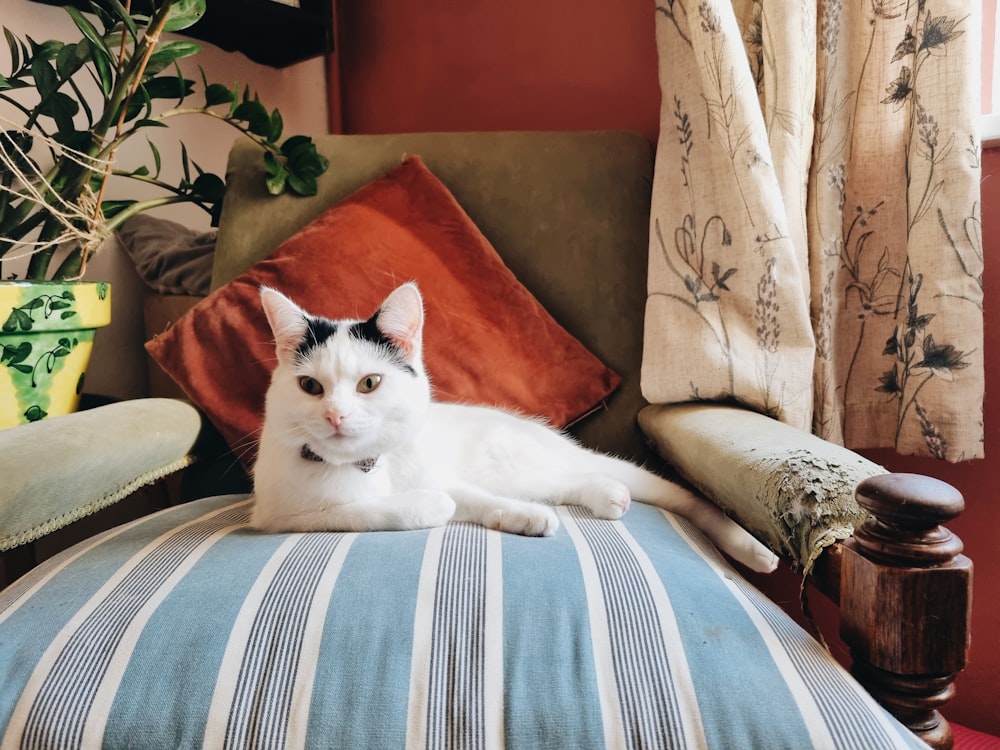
456 694
646 688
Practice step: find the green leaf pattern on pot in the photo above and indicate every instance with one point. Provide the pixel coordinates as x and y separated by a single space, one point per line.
43 327
22 318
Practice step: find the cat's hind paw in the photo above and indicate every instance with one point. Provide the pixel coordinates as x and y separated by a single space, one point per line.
606 498
753 554
764 560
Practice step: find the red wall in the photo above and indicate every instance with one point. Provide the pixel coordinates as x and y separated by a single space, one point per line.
422 65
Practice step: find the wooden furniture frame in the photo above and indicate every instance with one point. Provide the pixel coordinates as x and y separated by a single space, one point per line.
905 594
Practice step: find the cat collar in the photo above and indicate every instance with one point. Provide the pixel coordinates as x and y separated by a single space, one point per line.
365 464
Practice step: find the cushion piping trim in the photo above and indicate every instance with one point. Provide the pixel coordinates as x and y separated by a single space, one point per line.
53 524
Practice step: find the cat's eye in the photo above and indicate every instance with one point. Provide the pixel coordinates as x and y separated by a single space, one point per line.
310 386
369 383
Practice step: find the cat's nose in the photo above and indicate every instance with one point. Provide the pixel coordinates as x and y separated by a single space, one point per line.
335 418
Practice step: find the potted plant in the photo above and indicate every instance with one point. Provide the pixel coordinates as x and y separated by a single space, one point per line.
65 109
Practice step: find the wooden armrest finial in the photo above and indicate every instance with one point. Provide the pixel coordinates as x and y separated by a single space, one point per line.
906 599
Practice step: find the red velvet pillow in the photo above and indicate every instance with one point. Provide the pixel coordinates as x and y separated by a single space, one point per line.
487 340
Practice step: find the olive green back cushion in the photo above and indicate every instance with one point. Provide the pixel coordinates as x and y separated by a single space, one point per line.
567 212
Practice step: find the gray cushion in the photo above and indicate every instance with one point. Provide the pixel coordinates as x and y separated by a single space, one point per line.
61 469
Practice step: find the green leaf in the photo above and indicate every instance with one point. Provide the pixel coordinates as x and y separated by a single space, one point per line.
277 175
15 46
106 21
157 161
79 139
118 12
62 109
184 13
209 187
168 87
104 67
93 35
293 142
23 369
44 76
47 50
305 160
144 123
255 115
302 184
70 59
185 163
114 207
15 214
216 93
17 145
277 125
271 163
167 52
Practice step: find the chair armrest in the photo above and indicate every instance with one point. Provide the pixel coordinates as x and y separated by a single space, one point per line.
903 586
61 469
793 490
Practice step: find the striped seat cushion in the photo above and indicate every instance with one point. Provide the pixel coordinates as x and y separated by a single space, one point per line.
189 629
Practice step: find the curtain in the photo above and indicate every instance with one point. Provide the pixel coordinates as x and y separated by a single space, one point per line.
815 242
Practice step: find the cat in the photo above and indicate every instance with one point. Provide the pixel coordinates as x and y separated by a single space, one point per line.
352 441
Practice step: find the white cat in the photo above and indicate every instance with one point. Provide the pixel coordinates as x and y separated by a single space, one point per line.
353 442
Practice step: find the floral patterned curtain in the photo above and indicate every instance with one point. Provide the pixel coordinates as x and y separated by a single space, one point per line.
815 243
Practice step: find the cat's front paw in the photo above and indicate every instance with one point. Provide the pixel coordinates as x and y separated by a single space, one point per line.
531 520
432 508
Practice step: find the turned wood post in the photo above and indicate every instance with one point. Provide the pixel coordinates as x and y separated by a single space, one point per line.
906 599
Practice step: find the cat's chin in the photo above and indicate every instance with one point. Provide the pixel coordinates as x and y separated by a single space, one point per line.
339 448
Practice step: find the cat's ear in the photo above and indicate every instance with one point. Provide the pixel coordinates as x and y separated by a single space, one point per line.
401 319
287 320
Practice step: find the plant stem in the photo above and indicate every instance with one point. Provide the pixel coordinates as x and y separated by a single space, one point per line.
133 77
38 265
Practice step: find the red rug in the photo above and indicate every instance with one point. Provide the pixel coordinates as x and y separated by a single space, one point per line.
970 739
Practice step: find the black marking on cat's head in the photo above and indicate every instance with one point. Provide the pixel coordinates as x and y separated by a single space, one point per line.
318 330
368 330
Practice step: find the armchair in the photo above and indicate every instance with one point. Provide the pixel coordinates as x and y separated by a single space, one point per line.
187 628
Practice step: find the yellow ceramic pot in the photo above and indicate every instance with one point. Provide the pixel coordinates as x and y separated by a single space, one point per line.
46 334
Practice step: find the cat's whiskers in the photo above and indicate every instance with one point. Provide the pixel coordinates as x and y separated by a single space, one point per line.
244 447
275 359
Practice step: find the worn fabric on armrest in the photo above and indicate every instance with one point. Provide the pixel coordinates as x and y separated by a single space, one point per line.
61 469
794 490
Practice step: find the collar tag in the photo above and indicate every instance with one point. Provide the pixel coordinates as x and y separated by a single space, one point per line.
365 464
308 455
